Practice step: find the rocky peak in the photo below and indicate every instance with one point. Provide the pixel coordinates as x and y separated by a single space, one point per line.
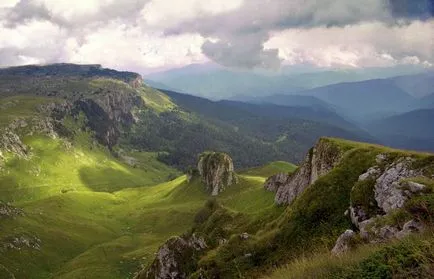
319 161
217 171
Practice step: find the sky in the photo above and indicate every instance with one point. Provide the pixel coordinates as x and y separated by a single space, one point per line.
153 35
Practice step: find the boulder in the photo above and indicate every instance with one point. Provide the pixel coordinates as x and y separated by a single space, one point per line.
343 243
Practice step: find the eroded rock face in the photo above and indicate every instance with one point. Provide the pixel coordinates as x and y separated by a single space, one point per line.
388 191
173 259
319 161
108 113
217 171
274 182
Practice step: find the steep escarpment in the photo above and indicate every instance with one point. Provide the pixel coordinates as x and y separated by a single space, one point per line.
109 113
217 171
319 161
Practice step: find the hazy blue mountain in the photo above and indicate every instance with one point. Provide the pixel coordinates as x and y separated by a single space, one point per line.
365 100
419 85
286 100
411 130
216 82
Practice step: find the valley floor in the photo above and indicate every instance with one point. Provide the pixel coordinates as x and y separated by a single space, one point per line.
90 234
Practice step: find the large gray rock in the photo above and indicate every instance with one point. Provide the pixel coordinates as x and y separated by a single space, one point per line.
343 243
318 162
217 171
389 194
174 258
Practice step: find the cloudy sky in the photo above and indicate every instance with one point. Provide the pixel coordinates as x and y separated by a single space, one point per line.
151 35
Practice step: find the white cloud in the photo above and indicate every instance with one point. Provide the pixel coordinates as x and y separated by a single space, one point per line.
125 47
367 44
169 13
143 34
8 3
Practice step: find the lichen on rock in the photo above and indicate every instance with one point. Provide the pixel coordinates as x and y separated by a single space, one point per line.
217 171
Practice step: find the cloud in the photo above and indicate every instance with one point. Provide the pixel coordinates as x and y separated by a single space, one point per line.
264 17
143 34
362 45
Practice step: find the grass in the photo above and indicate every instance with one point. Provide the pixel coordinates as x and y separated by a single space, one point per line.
89 234
412 257
20 107
271 169
57 168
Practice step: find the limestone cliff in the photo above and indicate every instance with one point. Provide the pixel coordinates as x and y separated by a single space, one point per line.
217 171
319 161
108 113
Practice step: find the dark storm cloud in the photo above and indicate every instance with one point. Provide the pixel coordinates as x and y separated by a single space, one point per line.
412 9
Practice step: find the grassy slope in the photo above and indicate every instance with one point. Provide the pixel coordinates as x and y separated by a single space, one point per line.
271 169
78 200
108 235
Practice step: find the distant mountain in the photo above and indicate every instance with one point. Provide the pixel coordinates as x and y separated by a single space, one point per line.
269 120
216 82
364 100
411 130
286 100
419 85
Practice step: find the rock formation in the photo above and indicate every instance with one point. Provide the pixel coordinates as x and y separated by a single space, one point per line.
391 189
319 161
174 258
217 171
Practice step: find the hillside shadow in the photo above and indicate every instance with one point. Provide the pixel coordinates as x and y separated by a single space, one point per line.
107 179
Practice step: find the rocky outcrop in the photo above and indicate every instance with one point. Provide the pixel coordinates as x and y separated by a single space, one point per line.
8 211
217 171
389 194
20 242
175 258
319 161
273 183
392 187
